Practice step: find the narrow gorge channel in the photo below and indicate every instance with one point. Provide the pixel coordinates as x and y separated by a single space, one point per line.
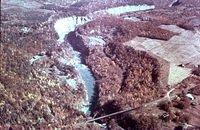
65 28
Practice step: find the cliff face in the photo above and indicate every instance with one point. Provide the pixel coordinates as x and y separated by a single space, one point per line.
64 61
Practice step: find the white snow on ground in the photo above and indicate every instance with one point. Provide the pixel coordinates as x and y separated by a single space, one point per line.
96 40
35 58
65 25
128 8
190 96
174 1
25 29
135 19
177 74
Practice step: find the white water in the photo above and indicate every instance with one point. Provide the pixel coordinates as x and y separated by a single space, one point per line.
120 10
65 25
85 76
128 8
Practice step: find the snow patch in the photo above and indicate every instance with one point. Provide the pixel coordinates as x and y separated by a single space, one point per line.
35 58
96 40
190 96
135 19
25 29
